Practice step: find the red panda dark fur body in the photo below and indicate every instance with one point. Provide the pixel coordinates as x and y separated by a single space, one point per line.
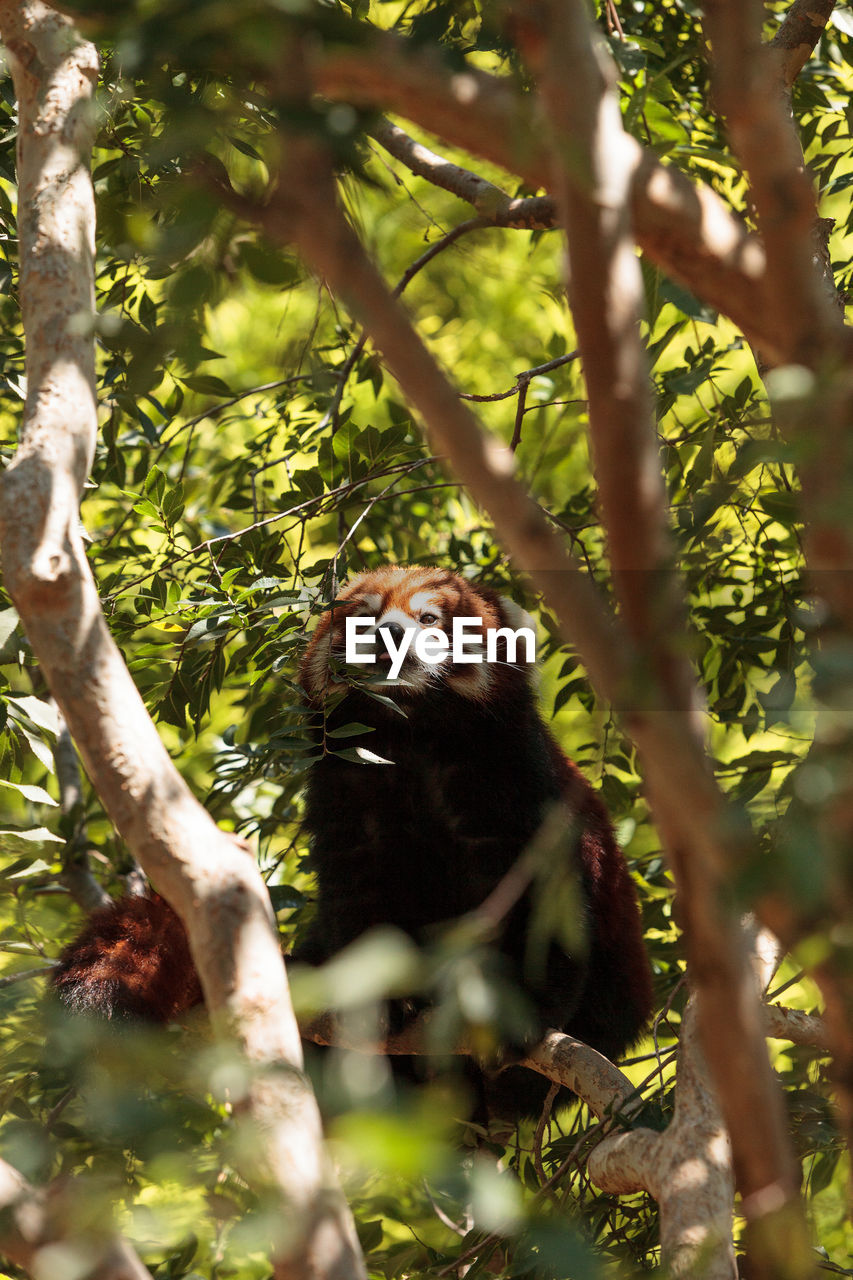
421 840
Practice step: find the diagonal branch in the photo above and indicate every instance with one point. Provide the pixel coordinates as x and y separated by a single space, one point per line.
749 92
483 195
492 203
592 179
304 209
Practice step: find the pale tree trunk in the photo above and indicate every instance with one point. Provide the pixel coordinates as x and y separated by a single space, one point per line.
215 888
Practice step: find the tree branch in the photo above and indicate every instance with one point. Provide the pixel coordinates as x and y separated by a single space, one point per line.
796 1026
215 888
804 24
592 178
303 208
570 1062
492 203
687 1169
683 226
559 1056
799 284
750 94
817 418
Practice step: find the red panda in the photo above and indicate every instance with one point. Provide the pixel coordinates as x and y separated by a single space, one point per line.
446 797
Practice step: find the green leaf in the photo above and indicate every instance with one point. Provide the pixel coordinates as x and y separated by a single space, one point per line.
37 795
17 842
269 265
44 714
286 897
207 384
782 506
8 622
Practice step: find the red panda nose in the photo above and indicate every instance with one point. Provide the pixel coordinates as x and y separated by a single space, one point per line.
395 631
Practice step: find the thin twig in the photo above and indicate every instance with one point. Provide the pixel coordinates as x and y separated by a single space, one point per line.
76 872
26 974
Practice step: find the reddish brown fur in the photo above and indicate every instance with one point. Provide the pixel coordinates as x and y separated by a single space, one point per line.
474 771
421 840
393 587
132 963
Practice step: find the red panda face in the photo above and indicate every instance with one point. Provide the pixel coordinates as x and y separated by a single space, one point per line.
405 612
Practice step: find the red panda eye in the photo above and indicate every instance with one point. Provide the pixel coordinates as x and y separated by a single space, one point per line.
428 618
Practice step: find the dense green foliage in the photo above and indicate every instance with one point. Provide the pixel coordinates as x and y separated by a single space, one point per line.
251 455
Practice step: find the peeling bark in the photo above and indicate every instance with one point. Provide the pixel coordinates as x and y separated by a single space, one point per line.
590 1075
687 1169
795 40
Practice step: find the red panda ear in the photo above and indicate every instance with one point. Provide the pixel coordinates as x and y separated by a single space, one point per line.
312 668
512 615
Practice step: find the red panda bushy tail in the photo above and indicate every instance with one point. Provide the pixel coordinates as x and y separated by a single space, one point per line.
132 961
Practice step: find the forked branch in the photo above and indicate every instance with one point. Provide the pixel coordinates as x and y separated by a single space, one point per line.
687 1168
683 226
